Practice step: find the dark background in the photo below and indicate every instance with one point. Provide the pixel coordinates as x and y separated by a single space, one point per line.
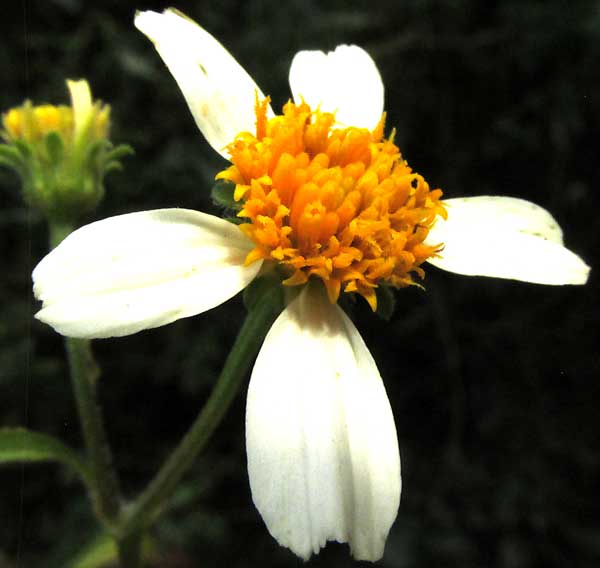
493 383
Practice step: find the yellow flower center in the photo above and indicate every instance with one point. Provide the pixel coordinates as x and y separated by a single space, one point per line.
340 204
32 124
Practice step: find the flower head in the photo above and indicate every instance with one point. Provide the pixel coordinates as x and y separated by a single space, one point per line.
329 201
61 152
338 204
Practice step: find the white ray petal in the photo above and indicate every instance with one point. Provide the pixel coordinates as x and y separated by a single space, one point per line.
141 270
81 102
345 81
323 456
505 237
219 92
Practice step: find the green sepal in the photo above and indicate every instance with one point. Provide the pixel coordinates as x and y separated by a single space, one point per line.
96 152
10 164
235 220
222 194
11 155
12 158
18 445
55 147
113 165
386 301
266 286
120 151
111 160
24 149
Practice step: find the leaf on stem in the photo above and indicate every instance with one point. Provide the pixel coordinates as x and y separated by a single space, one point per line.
102 552
18 445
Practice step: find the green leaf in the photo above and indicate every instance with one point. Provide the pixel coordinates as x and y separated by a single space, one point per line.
222 195
18 445
102 551
386 302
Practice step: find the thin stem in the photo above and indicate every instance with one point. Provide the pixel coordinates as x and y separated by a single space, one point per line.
84 374
150 503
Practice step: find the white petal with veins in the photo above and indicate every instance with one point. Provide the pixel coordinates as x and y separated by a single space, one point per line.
141 270
504 237
219 92
345 81
323 455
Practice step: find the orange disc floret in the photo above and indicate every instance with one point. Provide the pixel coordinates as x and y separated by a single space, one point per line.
340 204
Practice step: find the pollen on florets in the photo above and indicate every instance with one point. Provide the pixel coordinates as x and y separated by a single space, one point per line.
340 204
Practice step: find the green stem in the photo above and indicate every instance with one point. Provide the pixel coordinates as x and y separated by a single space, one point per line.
84 374
150 503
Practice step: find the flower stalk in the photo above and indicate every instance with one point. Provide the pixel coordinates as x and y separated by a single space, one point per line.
150 504
84 373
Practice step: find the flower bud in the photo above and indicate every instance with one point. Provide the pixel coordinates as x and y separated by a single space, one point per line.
61 153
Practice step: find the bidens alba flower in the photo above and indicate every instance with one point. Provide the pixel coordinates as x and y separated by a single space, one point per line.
325 197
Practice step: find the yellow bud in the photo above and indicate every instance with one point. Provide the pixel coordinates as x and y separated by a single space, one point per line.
61 152
13 122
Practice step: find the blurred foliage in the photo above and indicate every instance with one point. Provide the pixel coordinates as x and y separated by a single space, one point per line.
493 383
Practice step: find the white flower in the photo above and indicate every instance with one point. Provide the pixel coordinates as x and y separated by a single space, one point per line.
323 456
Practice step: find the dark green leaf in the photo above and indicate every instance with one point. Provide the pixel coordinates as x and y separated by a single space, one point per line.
18 445
101 551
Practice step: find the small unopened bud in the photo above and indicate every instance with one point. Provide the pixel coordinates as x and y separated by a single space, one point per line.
61 153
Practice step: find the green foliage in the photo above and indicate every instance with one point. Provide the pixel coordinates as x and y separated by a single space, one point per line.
18 445
98 553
